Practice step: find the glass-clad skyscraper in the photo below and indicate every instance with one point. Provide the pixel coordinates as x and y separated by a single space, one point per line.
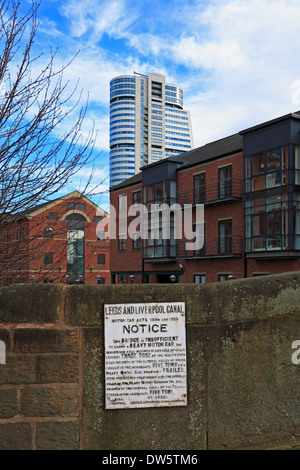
147 123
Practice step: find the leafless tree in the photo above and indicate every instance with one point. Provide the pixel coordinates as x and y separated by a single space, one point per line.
35 160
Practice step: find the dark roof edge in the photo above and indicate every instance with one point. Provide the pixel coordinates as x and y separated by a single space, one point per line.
163 160
124 184
208 159
183 158
234 149
295 115
52 202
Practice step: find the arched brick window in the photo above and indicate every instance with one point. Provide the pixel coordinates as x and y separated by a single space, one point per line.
75 246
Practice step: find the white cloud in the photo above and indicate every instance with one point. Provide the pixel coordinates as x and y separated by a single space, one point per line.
49 27
236 60
79 14
208 55
147 43
244 65
96 17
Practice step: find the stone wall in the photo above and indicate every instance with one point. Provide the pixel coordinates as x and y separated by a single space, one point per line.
243 387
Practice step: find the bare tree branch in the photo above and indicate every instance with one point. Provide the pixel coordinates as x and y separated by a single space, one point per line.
35 160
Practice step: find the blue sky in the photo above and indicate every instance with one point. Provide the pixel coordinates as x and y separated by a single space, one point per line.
236 60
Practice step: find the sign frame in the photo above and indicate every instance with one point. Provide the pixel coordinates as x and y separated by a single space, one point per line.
131 334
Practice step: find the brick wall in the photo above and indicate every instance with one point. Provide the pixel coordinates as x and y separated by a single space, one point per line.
28 251
212 214
129 260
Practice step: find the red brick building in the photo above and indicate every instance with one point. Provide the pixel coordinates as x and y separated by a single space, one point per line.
58 241
249 186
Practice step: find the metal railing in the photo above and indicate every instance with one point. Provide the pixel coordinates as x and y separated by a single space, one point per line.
210 193
214 247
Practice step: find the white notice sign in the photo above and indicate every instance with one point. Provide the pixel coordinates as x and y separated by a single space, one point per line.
145 355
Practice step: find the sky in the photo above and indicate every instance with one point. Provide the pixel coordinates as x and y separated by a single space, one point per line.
238 61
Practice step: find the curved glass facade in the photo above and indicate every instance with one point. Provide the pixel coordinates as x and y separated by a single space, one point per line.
122 129
140 107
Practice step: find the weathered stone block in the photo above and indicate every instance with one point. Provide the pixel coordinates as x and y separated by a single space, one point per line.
15 436
46 340
8 403
57 368
18 370
4 336
57 435
31 303
84 304
49 400
254 389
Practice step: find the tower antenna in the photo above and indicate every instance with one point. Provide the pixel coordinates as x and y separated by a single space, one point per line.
141 74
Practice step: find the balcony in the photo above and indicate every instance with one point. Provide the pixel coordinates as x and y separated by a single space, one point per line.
214 247
273 247
159 251
212 193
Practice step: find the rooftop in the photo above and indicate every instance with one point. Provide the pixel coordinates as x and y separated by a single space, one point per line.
211 151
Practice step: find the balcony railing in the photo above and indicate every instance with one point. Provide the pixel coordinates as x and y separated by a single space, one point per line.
214 247
212 193
160 250
273 246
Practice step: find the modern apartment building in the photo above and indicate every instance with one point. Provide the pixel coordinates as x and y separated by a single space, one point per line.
147 123
249 186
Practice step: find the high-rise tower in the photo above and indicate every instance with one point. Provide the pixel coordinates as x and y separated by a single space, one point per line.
147 123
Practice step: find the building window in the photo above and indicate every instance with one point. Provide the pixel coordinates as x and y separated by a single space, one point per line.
101 259
136 198
274 231
156 89
75 245
274 176
267 223
100 280
225 237
199 278
258 164
222 277
48 258
156 193
267 170
122 243
297 164
225 182
122 203
200 241
199 188
97 218
48 232
101 235
70 205
297 221
52 216
160 238
81 206
136 242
